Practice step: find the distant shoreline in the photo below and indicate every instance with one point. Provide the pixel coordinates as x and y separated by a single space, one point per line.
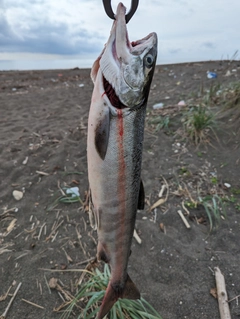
89 67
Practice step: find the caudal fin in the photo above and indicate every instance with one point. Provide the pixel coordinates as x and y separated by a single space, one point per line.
130 291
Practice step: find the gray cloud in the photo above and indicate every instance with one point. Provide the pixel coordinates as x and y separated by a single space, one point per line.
209 45
48 37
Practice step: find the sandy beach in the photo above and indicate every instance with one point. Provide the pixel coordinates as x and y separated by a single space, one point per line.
43 130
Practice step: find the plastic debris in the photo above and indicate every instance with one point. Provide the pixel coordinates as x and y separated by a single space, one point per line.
158 106
181 103
211 75
25 161
17 194
73 191
81 85
228 73
14 89
227 185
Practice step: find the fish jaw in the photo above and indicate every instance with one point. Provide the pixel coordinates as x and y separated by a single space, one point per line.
128 66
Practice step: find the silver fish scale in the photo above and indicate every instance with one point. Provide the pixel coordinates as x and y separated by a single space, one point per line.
133 129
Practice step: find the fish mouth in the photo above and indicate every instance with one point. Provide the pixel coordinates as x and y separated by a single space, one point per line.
112 96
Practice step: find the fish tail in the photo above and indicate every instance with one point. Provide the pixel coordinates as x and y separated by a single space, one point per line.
114 291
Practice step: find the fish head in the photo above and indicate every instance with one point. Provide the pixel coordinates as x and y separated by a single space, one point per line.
127 67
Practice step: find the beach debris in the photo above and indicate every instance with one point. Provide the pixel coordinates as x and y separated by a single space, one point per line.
228 73
211 75
53 284
160 194
161 200
42 173
4 315
81 85
25 160
32 303
213 292
5 250
73 191
157 203
227 185
162 228
182 103
136 236
158 106
183 219
222 295
10 226
14 89
18 195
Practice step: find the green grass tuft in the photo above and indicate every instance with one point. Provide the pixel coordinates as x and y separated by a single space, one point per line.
91 293
197 122
215 209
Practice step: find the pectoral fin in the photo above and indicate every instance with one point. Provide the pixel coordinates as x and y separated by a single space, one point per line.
102 133
141 197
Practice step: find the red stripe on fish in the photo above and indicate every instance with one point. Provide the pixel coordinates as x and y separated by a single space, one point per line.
121 180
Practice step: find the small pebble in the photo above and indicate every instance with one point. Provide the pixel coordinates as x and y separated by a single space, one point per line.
17 195
158 106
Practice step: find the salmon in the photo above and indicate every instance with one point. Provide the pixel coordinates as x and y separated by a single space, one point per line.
122 76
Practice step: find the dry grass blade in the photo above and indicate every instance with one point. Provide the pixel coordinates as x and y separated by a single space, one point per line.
4 315
161 200
4 248
32 303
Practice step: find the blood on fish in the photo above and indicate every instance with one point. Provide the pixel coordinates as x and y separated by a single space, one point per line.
121 177
120 122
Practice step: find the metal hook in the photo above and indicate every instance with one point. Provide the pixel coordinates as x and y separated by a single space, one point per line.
110 13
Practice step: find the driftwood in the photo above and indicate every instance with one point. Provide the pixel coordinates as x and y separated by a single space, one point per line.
222 295
183 219
4 315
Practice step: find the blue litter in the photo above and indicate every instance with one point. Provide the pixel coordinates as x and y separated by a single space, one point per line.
211 75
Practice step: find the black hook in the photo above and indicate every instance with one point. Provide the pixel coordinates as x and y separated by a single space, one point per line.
110 13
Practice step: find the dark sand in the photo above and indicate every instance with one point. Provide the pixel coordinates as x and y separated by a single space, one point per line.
43 121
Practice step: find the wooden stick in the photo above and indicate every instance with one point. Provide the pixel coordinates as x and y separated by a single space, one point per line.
233 298
4 315
222 295
138 239
184 219
32 303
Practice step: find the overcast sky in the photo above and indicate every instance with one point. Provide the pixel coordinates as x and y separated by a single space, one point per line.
188 30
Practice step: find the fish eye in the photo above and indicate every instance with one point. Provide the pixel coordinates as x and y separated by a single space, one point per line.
149 60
